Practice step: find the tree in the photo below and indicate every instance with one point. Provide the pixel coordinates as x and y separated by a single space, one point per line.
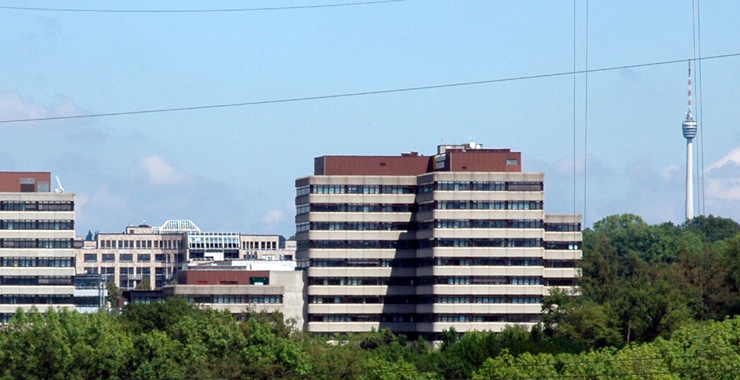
577 319
713 228
114 294
380 369
144 285
145 317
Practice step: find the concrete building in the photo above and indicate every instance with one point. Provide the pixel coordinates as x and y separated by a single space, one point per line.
239 286
36 244
420 244
155 253
90 293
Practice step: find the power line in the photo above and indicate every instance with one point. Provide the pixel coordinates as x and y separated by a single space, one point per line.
703 204
221 10
367 93
574 106
585 130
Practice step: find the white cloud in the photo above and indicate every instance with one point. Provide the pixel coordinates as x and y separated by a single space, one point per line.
564 166
723 177
14 106
727 189
273 216
730 158
667 173
109 200
160 172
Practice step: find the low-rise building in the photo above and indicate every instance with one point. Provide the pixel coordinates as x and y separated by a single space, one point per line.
154 254
237 286
242 286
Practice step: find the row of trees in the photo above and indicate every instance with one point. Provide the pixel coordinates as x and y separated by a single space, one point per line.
705 350
175 340
164 340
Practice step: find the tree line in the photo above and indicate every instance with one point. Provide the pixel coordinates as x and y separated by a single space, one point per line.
641 281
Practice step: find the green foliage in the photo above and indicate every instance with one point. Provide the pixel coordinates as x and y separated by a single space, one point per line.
710 350
144 285
381 369
576 319
64 345
713 228
526 365
114 294
648 280
145 317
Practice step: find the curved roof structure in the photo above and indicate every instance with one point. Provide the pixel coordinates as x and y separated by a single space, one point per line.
176 227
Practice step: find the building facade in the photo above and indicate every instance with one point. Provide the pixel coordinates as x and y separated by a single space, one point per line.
237 286
36 244
91 293
241 286
421 244
154 254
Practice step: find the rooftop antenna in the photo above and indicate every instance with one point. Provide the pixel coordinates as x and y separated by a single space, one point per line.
59 188
689 132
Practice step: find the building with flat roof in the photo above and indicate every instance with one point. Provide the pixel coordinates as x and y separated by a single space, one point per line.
237 286
419 244
36 244
154 254
241 286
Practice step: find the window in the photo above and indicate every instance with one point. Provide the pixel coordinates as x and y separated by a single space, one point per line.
525 300
144 258
126 257
109 257
28 185
91 257
512 162
525 280
303 190
259 281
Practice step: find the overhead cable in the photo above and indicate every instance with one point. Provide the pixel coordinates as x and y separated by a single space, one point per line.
365 93
221 10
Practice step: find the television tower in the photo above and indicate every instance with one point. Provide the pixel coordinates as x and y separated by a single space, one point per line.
689 132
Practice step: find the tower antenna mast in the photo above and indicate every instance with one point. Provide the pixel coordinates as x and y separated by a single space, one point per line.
689 132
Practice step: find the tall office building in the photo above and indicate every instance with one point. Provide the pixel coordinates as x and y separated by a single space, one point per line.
36 238
420 244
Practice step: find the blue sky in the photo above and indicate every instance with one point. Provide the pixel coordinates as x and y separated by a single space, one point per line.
234 168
